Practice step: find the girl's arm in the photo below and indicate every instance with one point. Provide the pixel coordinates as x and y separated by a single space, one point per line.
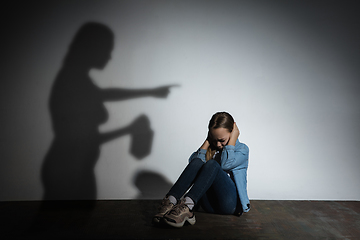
205 145
234 156
200 153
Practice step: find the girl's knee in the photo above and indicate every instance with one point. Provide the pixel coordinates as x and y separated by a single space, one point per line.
196 161
212 163
211 166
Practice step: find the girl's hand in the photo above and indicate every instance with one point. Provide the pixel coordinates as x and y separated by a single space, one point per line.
234 135
235 132
206 143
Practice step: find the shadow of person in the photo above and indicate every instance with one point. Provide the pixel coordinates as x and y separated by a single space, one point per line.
151 185
77 109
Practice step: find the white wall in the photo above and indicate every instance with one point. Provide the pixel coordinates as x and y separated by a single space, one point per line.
288 73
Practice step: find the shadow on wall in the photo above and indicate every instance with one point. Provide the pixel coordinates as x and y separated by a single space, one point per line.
77 109
151 185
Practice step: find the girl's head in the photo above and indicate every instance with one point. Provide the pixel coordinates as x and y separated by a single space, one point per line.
220 127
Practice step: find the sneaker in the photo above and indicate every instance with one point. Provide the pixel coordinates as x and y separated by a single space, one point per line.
179 214
163 209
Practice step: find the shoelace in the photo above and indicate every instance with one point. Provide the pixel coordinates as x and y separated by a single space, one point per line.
164 204
178 208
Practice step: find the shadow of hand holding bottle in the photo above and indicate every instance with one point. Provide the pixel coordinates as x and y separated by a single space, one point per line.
77 109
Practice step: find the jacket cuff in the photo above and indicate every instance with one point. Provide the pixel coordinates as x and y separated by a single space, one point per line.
229 147
201 151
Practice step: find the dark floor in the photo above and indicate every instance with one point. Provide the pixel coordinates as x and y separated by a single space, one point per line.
131 219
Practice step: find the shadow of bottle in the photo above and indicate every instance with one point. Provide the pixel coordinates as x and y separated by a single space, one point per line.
141 137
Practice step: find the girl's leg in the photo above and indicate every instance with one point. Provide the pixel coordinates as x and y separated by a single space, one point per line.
210 172
186 179
183 183
221 197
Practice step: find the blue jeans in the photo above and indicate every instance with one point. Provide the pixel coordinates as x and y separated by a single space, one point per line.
211 187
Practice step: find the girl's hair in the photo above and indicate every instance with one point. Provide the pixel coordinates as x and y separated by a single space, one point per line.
218 120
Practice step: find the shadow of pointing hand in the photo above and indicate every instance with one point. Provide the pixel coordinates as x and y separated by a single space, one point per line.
163 92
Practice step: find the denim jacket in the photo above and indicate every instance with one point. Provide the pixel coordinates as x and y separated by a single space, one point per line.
234 160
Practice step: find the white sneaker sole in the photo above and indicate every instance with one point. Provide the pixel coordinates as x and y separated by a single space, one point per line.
192 221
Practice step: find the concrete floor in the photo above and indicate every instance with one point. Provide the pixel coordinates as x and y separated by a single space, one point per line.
131 219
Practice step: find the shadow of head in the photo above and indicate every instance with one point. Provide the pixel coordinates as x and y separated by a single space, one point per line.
91 46
151 185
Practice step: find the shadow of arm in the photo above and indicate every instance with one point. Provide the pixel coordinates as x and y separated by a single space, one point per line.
116 94
106 137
